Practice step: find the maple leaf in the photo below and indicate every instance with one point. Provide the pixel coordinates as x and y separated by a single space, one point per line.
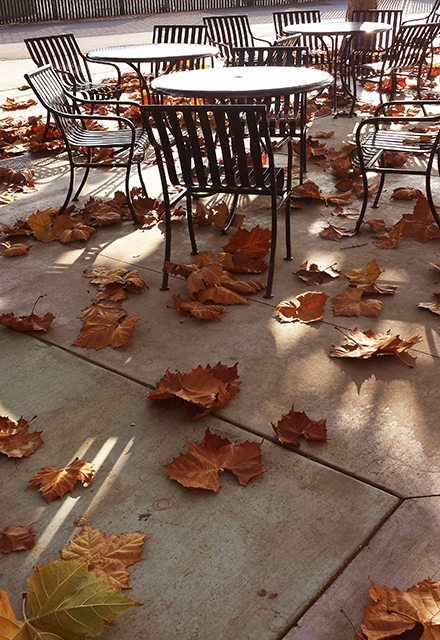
376 224
204 277
350 303
406 193
197 309
9 176
395 611
364 344
313 274
419 224
390 239
221 295
373 287
254 243
244 287
200 467
308 189
65 601
27 323
114 283
17 249
345 184
336 233
16 539
199 392
307 307
47 226
364 276
55 483
105 325
106 558
432 306
14 441
297 423
11 104
243 263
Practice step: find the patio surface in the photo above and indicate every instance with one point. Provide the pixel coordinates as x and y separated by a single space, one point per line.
281 556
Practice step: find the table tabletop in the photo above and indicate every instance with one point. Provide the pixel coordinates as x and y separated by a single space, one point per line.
241 82
161 52
336 28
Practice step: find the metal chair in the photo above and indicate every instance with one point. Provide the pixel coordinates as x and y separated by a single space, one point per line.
375 137
287 117
77 132
202 150
180 33
406 56
432 16
226 32
319 53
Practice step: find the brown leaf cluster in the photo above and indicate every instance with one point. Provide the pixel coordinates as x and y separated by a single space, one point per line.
115 283
16 249
17 136
15 442
11 104
105 324
200 467
306 307
107 558
199 392
16 539
9 176
217 216
295 424
55 483
364 344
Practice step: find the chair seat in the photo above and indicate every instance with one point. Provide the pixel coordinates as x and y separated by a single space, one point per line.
95 88
374 143
119 139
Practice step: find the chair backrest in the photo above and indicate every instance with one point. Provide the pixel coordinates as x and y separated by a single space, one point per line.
283 19
234 31
270 57
177 33
434 14
61 52
379 40
200 132
46 85
411 44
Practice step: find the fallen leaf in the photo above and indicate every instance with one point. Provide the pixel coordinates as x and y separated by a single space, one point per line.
27 323
308 189
254 243
114 283
14 441
313 274
307 307
350 303
105 325
55 483
221 295
345 184
9 176
432 306
106 558
199 392
16 539
323 134
297 423
349 213
11 104
200 467
364 344
376 224
187 307
17 249
373 287
364 276
336 233
406 193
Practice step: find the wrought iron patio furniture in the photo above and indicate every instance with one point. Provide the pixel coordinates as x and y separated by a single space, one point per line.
406 56
213 157
62 52
432 16
287 114
319 53
226 32
383 133
180 33
127 145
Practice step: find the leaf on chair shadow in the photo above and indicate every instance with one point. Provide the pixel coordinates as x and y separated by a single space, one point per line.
14 441
307 307
376 224
114 283
187 307
200 467
47 226
295 424
16 539
199 392
54 483
350 303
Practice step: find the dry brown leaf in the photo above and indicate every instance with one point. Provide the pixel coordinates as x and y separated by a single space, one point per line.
364 344
374 288
27 323
199 392
16 539
206 276
197 309
105 325
406 193
348 212
307 307
336 233
377 225
313 274
16 249
364 276
9 176
55 483
308 189
221 295
345 184
254 243
432 306
295 424
350 303
199 468
14 441
324 134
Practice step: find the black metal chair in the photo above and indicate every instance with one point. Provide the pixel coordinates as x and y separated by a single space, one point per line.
319 53
406 56
202 150
226 32
77 131
432 16
287 117
180 33
375 137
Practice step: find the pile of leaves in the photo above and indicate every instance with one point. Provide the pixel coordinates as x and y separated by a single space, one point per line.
15 442
20 135
13 182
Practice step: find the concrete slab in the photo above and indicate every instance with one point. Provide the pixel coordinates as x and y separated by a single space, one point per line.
401 554
215 557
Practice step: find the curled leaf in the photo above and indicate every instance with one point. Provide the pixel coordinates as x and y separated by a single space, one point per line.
307 307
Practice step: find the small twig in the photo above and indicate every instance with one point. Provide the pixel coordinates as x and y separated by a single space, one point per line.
25 426
354 246
35 303
404 361
352 625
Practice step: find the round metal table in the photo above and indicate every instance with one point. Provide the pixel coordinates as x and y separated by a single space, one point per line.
335 29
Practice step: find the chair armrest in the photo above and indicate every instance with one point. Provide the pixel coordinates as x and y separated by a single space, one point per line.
110 64
393 103
288 41
263 40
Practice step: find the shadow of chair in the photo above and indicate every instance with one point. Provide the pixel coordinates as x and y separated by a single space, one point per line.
288 113
62 52
406 56
126 146
376 136
226 32
202 150
319 53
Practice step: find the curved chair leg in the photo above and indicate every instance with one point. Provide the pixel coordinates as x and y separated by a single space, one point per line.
128 195
85 176
189 218
47 127
379 191
69 190
287 213
144 188
224 231
430 200
365 201
273 244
